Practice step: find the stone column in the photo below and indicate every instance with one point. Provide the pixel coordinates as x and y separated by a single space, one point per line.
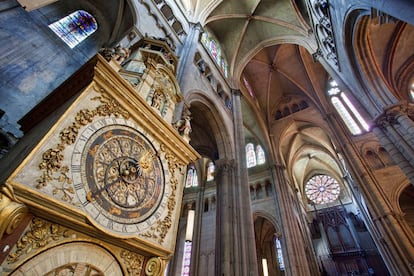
186 58
391 240
245 227
190 44
293 241
224 237
395 130
198 221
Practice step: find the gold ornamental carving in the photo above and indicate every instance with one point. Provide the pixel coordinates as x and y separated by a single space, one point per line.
11 212
40 234
134 262
154 267
51 164
160 229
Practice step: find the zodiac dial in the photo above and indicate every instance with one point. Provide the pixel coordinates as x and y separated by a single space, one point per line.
121 177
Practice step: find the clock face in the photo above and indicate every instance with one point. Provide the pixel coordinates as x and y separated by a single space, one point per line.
117 175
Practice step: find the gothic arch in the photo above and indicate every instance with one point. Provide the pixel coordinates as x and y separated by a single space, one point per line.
378 52
405 205
211 131
272 219
265 235
307 150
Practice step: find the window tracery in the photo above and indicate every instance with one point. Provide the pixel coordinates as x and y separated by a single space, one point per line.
322 189
75 27
346 110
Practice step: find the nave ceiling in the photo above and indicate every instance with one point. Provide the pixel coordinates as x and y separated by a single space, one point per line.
270 45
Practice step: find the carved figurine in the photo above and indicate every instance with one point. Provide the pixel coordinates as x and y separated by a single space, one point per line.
184 127
118 54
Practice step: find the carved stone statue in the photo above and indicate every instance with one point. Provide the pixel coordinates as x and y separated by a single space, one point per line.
184 127
118 54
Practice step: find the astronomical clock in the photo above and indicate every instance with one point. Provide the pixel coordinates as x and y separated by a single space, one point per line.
103 174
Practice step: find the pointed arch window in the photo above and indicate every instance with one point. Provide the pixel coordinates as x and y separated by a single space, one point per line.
210 171
75 27
250 155
279 254
260 154
191 179
346 110
412 91
215 52
248 86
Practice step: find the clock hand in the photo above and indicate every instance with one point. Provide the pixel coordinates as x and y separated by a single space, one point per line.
92 194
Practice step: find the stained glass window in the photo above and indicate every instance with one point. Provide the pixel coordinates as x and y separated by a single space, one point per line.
188 244
260 154
322 189
349 114
279 254
75 27
215 52
191 180
186 259
213 49
210 171
248 86
250 155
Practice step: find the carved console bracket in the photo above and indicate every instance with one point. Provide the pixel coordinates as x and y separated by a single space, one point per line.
155 267
11 211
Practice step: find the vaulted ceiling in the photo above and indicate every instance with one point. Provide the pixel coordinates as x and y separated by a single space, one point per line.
268 45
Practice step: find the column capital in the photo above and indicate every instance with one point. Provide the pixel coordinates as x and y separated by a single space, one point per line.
236 92
225 165
391 114
277 166
197 26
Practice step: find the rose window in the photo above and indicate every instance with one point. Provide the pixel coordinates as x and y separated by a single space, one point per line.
322 189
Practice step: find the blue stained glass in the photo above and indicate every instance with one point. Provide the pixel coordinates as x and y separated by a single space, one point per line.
75 27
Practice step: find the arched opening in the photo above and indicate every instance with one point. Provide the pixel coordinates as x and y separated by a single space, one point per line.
268 249
406 202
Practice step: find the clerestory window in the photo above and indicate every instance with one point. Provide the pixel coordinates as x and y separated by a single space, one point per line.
349 114
192 179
